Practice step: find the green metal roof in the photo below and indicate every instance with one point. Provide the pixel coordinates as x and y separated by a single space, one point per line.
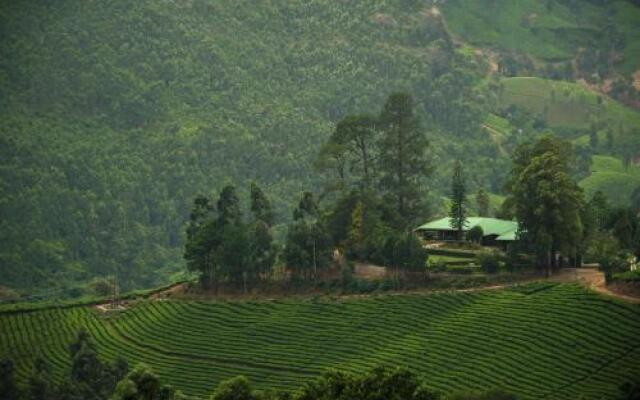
490 226
507 237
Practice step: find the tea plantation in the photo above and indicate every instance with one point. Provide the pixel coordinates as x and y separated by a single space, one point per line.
538 341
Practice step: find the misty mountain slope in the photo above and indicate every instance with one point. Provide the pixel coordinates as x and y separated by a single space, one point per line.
113 116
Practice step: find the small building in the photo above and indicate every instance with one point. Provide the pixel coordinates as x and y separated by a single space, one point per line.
496 232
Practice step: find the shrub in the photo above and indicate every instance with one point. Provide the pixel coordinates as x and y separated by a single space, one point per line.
490 261
475 234
612 263
629 276
101 286
237 388
490 395
462 269
436 266
405 251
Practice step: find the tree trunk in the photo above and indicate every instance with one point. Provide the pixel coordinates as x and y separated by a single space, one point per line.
244 283
315 266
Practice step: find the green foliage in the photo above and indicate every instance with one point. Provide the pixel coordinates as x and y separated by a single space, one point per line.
221 247
110 129
403 159
490 395
547 201
629 390
458 210
307 245
627 276
408 253
233 389
351 152
475 234
490 260
609 176
261 206
143 384
380 383
623 224
483 203
462 269
113 118
606 251
8 386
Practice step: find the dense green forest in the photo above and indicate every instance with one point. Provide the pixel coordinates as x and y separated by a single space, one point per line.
114 116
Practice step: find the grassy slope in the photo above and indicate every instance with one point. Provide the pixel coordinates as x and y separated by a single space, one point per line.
609 175
627 22
500 23
558 341
547 33
568 105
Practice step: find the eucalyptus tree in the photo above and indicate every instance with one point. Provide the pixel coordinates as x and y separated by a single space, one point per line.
548 202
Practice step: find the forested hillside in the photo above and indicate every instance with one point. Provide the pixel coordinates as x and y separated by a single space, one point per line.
115 115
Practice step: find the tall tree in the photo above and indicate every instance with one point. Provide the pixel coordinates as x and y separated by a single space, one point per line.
201 239
548 202
262 251
261 206
623 224
458 210
482 203
228 206
308 245
212 238
307 207
356 135
403 157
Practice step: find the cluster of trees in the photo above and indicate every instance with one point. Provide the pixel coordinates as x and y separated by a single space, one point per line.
380 383
613 237
89 378
376 168
222 246
556 220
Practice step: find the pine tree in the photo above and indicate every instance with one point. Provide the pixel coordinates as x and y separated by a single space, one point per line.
403 162
458 210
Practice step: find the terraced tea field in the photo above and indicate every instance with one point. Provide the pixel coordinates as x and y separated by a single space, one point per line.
540 341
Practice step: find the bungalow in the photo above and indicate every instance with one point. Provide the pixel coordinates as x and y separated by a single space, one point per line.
496 232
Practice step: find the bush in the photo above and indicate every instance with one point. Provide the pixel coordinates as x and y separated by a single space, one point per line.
629 276
362 286
462 269
436 266
490 395
475 234
611 264
101 286
490 261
